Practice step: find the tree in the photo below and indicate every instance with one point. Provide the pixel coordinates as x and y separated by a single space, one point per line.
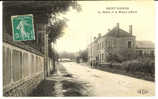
56 25
110 55
84 55
117 55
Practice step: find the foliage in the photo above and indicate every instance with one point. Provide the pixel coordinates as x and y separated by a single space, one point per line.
144 65
56 25
112 56
55 31
84 55
119 56
67 55
53 53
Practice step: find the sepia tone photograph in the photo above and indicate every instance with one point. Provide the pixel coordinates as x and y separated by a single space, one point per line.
78 48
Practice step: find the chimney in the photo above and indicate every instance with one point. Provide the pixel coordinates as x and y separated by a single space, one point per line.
109 30
99 35
130 29
94 38
117 26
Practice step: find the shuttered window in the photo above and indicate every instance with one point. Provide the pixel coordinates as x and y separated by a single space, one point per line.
32 64
41 64
129 44
25 65
6 66
17 65
37 64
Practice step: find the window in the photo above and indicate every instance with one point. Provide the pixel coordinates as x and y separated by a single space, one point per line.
106 43
36 65
41 64
32 62
102 56
25 62
110 43
140 53
98 47
129 44
16 63
6 66
152 53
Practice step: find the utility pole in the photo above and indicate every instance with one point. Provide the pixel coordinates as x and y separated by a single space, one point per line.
46 52
46 47
91 53
54 66
54 54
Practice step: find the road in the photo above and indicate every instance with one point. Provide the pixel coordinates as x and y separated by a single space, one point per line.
109 84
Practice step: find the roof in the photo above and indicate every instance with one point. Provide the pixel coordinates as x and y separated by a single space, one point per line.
144 44
115 33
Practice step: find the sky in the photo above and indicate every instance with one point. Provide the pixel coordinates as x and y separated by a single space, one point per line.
84 25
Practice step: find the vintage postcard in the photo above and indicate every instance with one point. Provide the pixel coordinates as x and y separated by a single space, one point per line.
79 48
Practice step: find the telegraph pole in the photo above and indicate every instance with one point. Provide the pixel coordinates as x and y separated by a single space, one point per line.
91 53
54 65
46 52
46 48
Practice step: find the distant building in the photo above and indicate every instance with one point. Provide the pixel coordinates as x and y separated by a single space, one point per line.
115 41
145 48
82 56
65 60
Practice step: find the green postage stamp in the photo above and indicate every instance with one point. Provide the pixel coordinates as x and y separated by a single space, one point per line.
23 27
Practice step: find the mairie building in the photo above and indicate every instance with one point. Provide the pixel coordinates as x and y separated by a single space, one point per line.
115 41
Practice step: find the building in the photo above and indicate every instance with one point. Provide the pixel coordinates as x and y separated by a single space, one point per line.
24 61
116 42
145 48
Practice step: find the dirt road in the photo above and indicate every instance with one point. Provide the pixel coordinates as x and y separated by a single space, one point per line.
110 84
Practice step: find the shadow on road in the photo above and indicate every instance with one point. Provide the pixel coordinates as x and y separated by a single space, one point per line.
45 88
73 88
70 85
